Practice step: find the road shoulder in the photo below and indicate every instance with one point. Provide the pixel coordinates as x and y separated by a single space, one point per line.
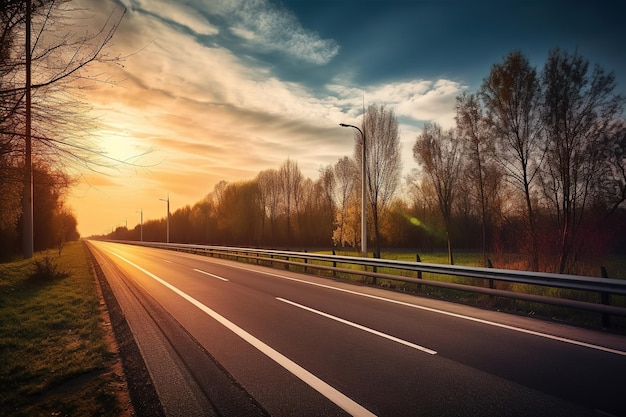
143 396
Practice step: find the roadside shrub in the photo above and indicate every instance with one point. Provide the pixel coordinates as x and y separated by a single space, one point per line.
46 270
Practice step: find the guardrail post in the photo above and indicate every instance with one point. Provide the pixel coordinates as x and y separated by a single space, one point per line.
419 273
418 259
606 300
286 263
374 268
490 265
306 261
334 264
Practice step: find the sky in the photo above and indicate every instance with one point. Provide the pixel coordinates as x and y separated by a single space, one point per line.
213 90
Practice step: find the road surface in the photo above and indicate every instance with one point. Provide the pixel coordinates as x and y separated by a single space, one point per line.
226 338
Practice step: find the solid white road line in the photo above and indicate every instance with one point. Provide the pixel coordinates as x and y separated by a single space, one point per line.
314 382
360 327
447 313
209 274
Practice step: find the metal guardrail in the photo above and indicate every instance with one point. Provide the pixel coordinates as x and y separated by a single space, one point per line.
603 286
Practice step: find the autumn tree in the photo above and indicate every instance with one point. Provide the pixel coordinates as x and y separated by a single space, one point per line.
439 154
383 162
512 97
580 108
53 225
66 226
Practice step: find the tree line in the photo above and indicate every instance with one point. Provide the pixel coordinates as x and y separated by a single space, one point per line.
62 144
535 165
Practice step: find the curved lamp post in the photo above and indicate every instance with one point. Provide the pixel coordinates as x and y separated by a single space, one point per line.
363 193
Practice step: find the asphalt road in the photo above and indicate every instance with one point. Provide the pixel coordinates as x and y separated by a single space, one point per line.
226 338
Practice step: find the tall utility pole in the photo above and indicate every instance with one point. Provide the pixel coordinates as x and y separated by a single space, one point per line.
27 199
363 193
168 216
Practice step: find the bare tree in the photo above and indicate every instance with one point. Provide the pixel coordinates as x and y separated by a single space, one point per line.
478 142
439 155
383 161
12 19
579 110
204 220
615 155
323 203
62 56
291 179
511 94
59 135
240 212
269 199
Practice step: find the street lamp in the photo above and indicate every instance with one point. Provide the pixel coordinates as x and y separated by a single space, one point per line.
141 223
168 216
363 193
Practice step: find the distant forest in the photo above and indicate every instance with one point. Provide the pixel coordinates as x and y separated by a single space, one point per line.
536 166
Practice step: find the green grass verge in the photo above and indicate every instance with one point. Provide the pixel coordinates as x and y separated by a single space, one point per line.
54 360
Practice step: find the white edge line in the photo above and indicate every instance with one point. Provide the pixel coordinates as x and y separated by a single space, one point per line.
209 274
447 313
314 382
360 327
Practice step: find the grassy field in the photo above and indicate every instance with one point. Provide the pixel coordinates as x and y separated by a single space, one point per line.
54 360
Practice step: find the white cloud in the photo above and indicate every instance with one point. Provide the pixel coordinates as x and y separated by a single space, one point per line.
419 100
243 33
189 18
274 28
436 104
181 14
266 26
